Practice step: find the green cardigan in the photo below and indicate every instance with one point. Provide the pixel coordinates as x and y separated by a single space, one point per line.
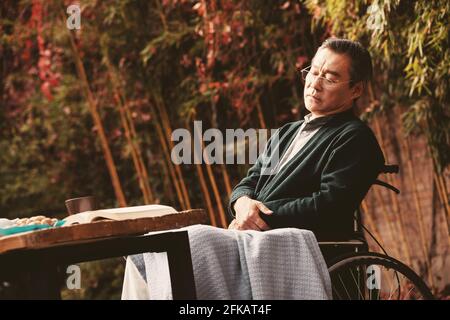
323 184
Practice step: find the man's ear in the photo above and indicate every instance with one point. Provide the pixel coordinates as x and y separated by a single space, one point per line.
357 90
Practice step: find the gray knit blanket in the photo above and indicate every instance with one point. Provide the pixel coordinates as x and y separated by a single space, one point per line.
243 265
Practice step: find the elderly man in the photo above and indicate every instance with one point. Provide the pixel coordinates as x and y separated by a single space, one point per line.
327 162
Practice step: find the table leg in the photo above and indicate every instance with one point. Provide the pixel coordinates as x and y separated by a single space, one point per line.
180 267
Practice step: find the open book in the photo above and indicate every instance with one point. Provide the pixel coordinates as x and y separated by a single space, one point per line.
152 210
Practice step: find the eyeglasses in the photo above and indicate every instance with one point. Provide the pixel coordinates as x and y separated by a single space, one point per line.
308 75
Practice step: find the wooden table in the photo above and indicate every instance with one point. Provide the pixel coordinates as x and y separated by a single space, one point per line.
33 258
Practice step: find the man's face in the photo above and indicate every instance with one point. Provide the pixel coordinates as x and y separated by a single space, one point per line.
322 98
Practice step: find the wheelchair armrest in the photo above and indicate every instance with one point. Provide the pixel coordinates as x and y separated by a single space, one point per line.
355 242
334 250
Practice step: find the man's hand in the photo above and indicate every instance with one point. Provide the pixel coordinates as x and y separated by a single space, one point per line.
247 215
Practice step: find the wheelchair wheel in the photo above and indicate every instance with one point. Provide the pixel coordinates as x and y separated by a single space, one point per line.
373 276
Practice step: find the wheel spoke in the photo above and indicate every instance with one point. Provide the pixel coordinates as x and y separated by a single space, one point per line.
399 285
337 292
343 285
403 284
390 295
409 291
357 285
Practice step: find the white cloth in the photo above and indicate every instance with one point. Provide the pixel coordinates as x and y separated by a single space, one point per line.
231 264
134 286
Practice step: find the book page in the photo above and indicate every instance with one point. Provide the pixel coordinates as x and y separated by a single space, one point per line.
135 212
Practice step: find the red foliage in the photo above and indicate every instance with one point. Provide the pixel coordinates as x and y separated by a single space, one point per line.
48 77
26 54
230 44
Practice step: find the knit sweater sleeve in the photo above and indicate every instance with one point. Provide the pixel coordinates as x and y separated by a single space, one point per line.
247 186
353 165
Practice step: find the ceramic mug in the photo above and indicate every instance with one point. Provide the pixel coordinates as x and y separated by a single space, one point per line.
81 204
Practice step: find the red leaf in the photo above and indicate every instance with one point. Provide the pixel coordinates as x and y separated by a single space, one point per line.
285 5
45 89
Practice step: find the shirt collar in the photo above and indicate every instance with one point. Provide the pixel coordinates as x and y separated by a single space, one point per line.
313 124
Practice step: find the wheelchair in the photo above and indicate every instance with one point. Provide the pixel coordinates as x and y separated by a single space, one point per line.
358 274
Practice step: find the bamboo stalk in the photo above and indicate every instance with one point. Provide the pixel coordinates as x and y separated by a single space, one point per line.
221 211
212 180
371 223
419 212
445 200
169 188
440 186
126 123
144 172
166 153
203 185
140 158
205 191
379 199
140 166
216 194
226 179
374 231
443 190
167 128
399 225
98 123
133 153
205 194
389 222
394 200
212 46
445 193
442 198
